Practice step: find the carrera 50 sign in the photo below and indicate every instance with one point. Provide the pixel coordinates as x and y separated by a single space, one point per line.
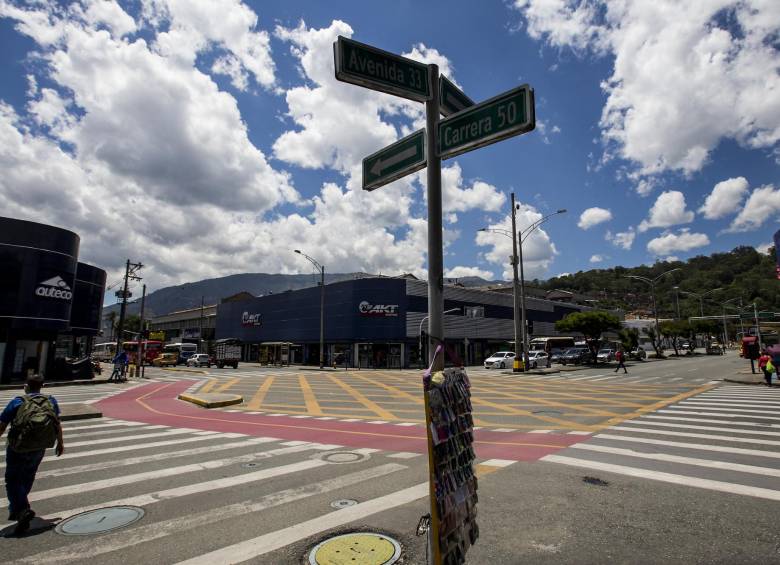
382 310
249 320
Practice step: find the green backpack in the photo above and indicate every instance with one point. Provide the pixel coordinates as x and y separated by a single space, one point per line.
35 425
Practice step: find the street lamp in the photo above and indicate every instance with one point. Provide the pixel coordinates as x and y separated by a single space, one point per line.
701 297
652 282
517 244
321 269
419 333
723 305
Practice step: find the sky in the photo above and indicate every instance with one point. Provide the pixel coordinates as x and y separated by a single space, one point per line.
206 138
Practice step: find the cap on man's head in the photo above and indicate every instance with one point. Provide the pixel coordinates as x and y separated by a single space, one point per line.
34 382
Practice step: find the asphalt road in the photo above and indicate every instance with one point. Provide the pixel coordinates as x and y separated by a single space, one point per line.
668 471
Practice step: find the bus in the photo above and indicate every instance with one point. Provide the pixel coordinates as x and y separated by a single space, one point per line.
548 344
152 350
104 351
183 350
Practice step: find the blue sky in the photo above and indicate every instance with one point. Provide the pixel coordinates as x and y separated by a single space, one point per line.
205 139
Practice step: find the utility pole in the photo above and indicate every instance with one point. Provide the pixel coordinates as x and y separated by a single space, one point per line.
200 328
322 316
124 294
515 288
141 339
758 328
677 300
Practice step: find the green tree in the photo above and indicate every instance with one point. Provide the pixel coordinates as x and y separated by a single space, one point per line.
629 338
655 340
592 324
673 330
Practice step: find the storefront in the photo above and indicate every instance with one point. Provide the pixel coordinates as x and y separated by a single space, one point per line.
50 304
376 323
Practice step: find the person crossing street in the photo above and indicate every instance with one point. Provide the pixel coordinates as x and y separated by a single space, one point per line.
620 357
35 426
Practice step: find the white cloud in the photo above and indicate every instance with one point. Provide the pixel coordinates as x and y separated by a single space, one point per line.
764 247
598 258
762 205
725 198
460 272
593 217
699 48
668 210
623 239
670 242
457 197
538 250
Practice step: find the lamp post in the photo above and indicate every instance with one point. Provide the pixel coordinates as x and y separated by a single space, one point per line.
725 328
701 296
517 258
419 333
677 300
652 282
321 269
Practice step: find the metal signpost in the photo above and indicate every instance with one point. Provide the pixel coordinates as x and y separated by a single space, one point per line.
468 126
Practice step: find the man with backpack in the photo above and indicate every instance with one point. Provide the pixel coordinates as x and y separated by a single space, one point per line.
35 426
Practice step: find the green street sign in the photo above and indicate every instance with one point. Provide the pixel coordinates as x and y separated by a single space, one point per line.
367 66
503 116
451 98
403 157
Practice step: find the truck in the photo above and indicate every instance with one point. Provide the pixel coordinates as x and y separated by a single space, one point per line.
227 352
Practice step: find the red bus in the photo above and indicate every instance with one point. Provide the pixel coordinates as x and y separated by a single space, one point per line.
152 350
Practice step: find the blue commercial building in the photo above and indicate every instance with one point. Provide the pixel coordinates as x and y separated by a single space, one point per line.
375 323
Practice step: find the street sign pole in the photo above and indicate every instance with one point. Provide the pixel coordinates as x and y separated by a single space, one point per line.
435 282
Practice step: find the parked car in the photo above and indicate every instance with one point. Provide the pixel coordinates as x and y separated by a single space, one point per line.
714 348
605 355
576 355
556 355
536 358
166 360
199 360
638 353
500 360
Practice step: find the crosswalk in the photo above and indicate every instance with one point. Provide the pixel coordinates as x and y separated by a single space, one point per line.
208 496
75 394
611 377
726 439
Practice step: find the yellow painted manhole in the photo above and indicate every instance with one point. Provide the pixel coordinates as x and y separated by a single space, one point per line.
356 549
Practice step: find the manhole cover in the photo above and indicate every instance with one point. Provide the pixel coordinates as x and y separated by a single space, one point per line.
341 457
100 521
249 465
362 548
343 503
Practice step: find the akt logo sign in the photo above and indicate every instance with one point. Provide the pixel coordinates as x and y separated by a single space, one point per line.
249 320
386 310
55 287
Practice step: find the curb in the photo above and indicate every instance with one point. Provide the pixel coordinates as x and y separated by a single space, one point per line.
79 412
51 384
197 372
202 401
745 382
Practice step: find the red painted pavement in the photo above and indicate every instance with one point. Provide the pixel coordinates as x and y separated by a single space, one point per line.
156 403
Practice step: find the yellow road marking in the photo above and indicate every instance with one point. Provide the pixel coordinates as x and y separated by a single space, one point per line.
370 404
227 385
257 399
515 412
552 404
312 406
208 386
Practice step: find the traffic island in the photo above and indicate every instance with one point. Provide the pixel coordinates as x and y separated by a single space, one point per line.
79 412
746 378
212 399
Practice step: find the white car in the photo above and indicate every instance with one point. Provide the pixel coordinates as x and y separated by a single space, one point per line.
500 360
199 360
536 358
605 355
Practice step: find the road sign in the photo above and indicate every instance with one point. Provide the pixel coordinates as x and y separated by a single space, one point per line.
506 115
451 98
403 157
361 64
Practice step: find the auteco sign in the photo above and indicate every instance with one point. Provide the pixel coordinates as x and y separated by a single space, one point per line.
55 287
368 309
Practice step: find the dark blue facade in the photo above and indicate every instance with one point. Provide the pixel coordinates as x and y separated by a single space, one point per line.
295 316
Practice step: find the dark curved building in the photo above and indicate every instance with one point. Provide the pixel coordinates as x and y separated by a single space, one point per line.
50 304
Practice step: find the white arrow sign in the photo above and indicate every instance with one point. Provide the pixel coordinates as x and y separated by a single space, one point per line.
381 165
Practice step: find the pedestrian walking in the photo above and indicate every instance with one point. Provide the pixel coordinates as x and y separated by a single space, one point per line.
35 426
766 366
620 357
